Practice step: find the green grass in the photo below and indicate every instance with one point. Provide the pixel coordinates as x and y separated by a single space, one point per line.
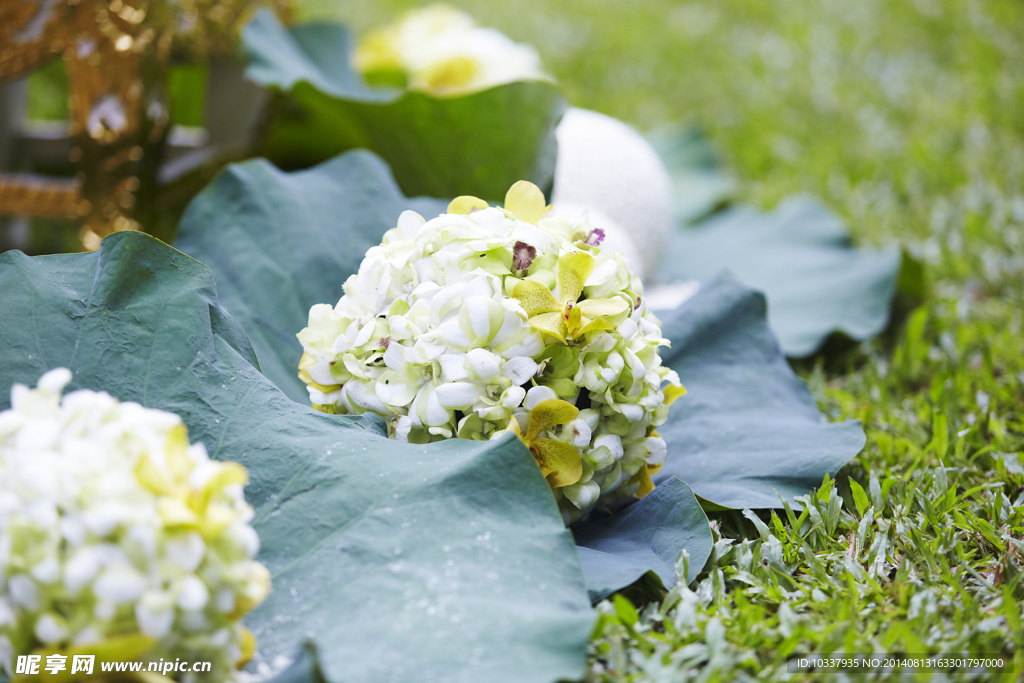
908 119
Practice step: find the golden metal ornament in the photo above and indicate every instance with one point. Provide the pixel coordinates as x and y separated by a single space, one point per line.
118 55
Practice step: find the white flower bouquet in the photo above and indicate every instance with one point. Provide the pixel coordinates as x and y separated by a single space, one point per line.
487 319
117 537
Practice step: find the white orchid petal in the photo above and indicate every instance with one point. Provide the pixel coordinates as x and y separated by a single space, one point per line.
454 336
519 370
458 395
362 396
394 357
393 391
537 394
483 365
435 414
481 313
612 442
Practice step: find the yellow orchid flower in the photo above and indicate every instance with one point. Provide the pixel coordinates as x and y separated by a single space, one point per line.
559 462
643 477
672 392
524 200
465 205
568 318
182 505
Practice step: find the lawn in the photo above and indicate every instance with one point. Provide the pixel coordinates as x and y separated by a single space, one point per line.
907 118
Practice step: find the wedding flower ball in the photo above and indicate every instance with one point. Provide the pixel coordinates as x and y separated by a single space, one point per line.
440 50
605 165
484 320
118 536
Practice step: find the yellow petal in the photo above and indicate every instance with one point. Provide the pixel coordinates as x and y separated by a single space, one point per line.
513 426
672 392
526 201
247 644
559 462
174 512
452 74
574 269
377 52
152 477
551 323
646 485
594 325
227 473
596 308
466 205
653 469
216 518
547 414
574 322
177 452
535 297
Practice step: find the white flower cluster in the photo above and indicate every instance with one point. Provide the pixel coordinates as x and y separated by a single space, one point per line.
440 50
119 537
457 326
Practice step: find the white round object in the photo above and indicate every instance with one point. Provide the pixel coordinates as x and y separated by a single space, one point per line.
614 236
669 296
604 164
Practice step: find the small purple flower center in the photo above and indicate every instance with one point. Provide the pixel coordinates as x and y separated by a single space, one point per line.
384 341
595 237
523 255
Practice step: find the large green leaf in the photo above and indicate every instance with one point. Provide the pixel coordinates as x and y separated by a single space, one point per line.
800 255
282 242
645 537
700 183
477 144
748 433
394 562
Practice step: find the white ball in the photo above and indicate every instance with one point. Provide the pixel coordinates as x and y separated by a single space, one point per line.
604 164
615 237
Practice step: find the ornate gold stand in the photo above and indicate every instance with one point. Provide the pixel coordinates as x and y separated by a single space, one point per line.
118 55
